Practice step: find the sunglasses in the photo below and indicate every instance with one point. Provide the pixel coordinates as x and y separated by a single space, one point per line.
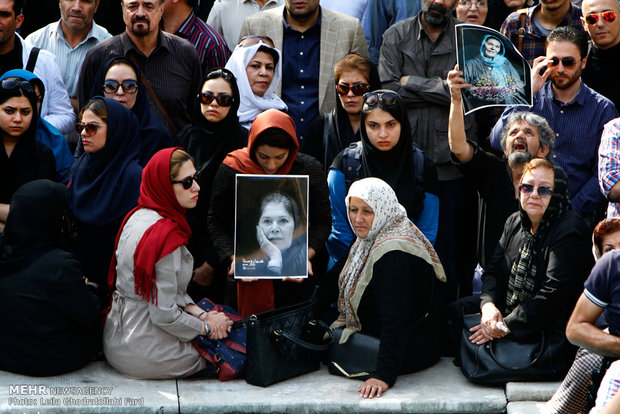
186 182
129 86
12 83
248 41
358 88
608 16
543 190
372 99
567 62
222 100
91 128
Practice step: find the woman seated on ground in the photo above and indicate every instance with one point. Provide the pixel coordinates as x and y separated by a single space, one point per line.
119 79
272 149
386 151
104 184
214 133
152 321
46 132
51 320
257 65
388 284
539 266
22 157
331 133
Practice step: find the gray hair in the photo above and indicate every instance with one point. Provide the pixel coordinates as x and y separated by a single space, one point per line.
546 136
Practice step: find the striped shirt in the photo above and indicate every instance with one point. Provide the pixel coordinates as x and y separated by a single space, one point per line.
609 163
211 47
68 59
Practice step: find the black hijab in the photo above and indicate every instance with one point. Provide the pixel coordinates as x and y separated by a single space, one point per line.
153 134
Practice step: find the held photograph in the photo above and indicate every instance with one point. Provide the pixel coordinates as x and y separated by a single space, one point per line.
271 226
498 74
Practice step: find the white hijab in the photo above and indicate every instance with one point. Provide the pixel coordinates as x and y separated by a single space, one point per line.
251 104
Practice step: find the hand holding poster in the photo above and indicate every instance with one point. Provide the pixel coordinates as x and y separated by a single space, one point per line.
496 71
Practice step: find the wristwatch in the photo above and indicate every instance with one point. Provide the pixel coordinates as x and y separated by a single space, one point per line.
207 329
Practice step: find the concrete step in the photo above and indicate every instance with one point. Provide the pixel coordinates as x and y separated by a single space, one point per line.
523 407
531 391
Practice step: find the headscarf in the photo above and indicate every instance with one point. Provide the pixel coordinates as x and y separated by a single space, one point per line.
394 166
241 160
153 134
251 104
163 237
391 230
31 230
497 60
105 185
522 280
46 132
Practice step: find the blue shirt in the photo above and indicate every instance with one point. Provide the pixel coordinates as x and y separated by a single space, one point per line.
300 75
578 126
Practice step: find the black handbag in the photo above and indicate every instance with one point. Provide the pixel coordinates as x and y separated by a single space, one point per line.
356 358
284 343
543 357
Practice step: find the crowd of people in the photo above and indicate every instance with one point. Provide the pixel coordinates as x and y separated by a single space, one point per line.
122 144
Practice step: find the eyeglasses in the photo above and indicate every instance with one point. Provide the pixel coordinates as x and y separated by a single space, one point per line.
248 41
469 3
567 62
608 16
358 88
222 100
13 83
187 182
372 99
542 190
111 86
91 128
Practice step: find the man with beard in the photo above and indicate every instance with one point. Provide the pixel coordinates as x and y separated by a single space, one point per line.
169 64
524 136
576 113
415 57
69 39
527 29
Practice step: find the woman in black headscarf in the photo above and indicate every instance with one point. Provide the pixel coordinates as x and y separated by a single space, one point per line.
386 151
216 131
51 320
104 183
119 78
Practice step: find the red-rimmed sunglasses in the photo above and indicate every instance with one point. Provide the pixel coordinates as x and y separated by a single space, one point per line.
358 88
91 128
608 16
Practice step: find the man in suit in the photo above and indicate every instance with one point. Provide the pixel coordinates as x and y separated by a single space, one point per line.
312 39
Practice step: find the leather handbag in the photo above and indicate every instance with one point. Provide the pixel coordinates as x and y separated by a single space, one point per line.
284 343
356 358
543 357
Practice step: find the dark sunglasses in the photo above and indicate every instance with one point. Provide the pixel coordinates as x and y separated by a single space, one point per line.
222 100
542 190
12 83
248 41
91 128
186 182
372 99
608 16
567 62
111 86
358 88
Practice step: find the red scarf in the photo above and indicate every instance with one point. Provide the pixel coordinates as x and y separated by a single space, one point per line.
163 237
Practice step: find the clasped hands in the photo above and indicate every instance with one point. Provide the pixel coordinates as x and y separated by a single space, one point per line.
489 327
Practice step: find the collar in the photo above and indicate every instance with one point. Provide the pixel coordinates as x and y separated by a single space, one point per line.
185 29
128 44
573 13
580 98
95 32
421 30
288 27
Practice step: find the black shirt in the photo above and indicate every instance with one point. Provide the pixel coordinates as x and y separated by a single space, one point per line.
13 59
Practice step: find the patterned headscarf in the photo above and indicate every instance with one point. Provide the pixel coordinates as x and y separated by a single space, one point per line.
391 230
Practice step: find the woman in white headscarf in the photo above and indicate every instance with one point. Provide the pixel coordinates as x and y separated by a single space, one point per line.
257 65
388 285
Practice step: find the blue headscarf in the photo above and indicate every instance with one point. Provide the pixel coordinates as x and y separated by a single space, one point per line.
105 185
46 133
499 59
153 134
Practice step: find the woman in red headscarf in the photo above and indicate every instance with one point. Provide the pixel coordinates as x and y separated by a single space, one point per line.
152 321
272 149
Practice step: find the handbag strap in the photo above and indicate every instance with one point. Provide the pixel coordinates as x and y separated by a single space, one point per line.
538 355
279 333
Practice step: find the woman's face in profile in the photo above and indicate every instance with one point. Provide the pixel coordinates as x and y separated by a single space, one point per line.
95 141
611 241
15 116
118 75
491 48
260 72
351 102
383 129
277 224
187 197
213 111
